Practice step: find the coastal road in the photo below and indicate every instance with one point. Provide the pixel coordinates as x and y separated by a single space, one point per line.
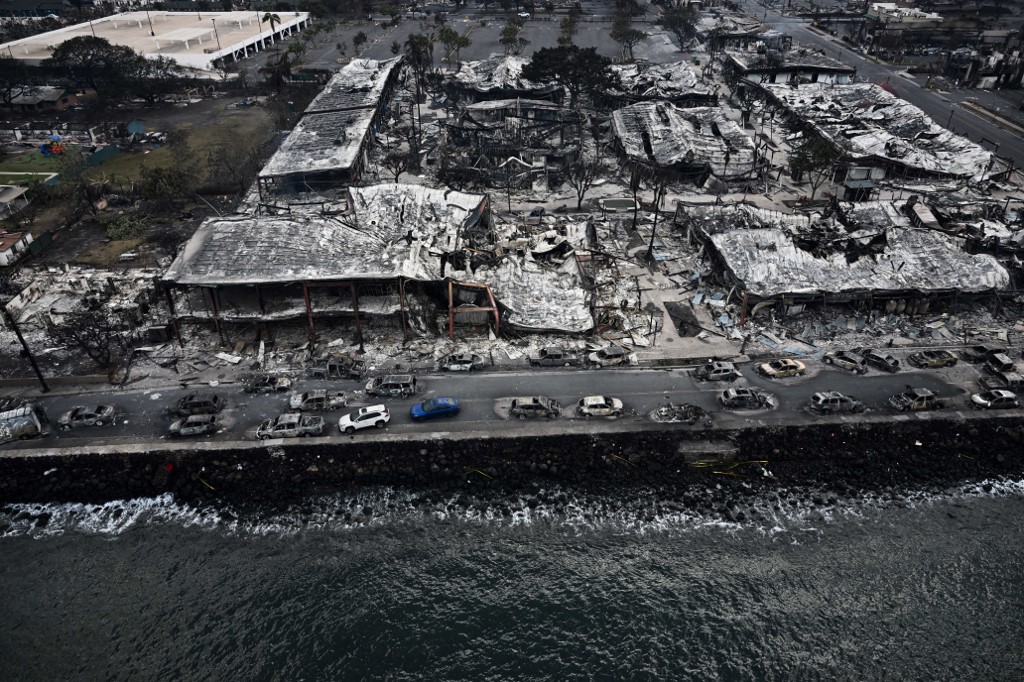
143 414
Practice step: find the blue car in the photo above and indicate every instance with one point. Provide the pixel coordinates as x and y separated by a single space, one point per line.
435 407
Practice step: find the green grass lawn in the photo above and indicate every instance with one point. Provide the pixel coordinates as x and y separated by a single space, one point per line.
33 162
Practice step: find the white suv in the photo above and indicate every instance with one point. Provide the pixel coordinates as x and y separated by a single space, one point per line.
364 418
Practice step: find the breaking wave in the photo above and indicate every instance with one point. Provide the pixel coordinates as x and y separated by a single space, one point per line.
788 512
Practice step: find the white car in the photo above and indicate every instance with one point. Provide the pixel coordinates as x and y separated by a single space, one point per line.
599 406
365 417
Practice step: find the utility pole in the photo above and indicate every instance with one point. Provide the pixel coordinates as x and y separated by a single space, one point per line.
28 351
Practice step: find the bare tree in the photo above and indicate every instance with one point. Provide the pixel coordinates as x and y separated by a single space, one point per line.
397 161
92 332
583 172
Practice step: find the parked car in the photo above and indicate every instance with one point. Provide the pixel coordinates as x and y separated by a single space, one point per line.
101 415
318 399
845 360
981 352
716 370
999 362
551 357
267 383
435 407
291 425
880 360
599 406
932 359
780 369
745 399
392 386
195 425
994 400
461 362
529 407
376 416
27 420
918 400
198 403
607 357
338 368
834 402
1008 381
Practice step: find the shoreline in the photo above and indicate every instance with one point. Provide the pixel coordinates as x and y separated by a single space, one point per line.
842 455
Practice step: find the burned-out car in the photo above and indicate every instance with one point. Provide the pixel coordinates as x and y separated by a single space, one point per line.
932 359
717 370
608 357
599 406
267 383
745 399
195 425
844 360
780 369
554 357
198 403
982 352
834 402
338 368
100 415
881 361
461 362
534 407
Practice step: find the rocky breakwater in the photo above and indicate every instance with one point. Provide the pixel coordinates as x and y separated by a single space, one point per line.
838 455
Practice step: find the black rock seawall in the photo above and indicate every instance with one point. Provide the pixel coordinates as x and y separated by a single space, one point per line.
836 455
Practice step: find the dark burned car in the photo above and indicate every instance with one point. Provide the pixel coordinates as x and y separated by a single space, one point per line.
461 362
198 403
338 368
534 407
745 399
267 383
982 352
844 360
880 360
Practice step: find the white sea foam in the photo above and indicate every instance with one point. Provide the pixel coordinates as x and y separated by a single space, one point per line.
785 514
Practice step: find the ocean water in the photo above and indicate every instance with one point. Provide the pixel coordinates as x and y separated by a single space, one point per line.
390 584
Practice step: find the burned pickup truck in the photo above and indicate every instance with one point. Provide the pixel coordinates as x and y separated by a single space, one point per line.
918 400
317 400
290 425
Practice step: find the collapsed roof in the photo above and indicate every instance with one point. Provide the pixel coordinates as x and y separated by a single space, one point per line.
669 136
669 82
392 231
798 59
501 76
768 262
358 85
867 122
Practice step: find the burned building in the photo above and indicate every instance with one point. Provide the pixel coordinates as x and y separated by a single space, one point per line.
397 254
872 255
799 65
645 82
698 142
873 129
327 149
499 78
512 142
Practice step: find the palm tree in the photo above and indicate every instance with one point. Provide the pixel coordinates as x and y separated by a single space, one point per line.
274 20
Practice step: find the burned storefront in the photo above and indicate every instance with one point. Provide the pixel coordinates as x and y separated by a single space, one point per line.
869 256
642 81
498 78
402 257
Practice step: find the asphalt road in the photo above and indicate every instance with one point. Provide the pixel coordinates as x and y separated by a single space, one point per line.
142 415
943 107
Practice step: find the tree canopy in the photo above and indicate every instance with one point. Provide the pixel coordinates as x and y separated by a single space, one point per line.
114 71
576 69
624 34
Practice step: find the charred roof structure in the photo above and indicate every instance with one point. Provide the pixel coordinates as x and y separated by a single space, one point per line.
718 29
645 82
701 141
871 127
872 251
327 147
396 252
500 78
796 65
492 138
